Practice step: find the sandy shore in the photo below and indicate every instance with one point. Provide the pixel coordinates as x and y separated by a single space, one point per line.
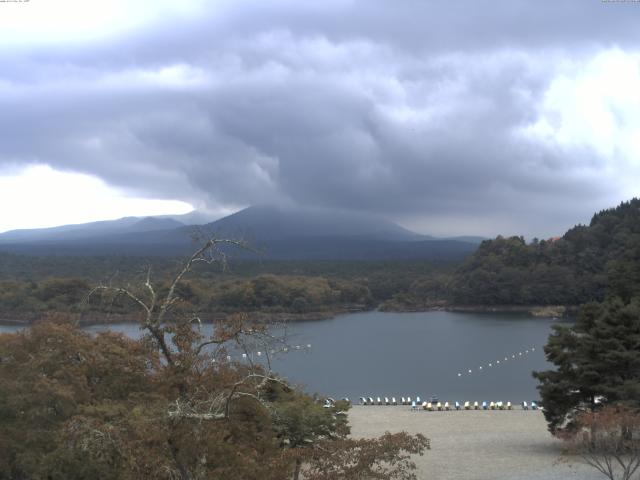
477 445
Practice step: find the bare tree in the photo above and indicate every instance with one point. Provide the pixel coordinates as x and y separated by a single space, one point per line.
178 337
609 441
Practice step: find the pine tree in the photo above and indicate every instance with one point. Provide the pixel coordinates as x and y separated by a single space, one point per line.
597 359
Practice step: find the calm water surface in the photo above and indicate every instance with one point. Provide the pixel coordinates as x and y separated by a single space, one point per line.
408 354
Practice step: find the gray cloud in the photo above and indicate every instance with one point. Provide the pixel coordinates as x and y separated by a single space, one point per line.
420 111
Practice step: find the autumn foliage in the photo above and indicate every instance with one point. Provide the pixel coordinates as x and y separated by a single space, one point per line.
75 406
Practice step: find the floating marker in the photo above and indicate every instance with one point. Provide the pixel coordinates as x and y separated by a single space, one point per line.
480 368
459 374
469 371
297 347
498 362
490 365
520 354
308 345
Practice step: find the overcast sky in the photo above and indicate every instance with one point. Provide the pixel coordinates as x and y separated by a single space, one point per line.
449 117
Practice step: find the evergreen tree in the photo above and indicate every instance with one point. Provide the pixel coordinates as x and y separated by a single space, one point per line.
598 358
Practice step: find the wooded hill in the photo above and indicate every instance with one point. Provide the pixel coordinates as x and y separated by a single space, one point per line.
587 263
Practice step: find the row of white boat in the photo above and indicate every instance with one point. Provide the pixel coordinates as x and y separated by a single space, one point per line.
445 406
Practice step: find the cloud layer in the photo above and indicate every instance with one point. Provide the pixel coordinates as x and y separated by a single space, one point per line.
466 117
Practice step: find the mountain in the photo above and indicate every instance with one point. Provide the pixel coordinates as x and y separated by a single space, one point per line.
277 233
267 223
90 230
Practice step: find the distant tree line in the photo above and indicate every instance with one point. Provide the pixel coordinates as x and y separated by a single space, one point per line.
265 293
30 286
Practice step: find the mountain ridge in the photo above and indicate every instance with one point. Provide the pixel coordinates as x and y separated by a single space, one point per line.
279 232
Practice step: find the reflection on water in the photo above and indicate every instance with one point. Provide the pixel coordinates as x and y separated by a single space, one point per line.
408 354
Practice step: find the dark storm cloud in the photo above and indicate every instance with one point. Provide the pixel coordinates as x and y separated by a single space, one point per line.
421 111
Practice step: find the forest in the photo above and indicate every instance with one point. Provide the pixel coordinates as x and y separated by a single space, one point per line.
588 263
30 286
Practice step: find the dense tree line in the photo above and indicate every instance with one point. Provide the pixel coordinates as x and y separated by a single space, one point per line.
30 286
265 293
586 264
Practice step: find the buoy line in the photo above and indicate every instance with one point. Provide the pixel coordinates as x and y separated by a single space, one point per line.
260 354
500 361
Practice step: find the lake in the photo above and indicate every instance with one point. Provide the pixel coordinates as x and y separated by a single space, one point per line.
408 354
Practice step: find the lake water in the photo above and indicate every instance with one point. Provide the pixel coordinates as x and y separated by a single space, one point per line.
409 354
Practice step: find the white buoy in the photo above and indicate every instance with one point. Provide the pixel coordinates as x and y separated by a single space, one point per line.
459 374
480 367
490 365
519 354
469 371
498 362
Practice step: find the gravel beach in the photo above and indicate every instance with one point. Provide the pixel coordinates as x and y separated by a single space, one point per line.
477 445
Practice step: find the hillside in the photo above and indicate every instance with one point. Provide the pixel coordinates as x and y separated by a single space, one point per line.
586 263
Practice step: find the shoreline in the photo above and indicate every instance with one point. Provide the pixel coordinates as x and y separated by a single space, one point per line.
86 320
538 311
